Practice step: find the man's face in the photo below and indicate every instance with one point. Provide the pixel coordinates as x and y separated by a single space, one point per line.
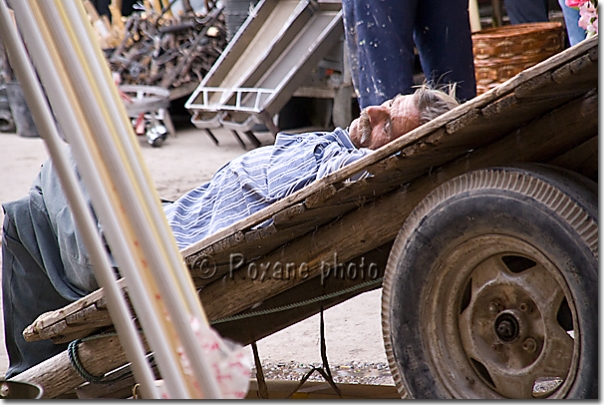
381 124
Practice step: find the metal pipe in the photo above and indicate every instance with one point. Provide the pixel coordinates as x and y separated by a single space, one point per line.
143 208
45 122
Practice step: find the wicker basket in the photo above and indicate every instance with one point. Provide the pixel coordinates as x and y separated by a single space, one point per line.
503 52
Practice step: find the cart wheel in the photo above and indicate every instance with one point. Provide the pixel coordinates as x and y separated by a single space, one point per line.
491 288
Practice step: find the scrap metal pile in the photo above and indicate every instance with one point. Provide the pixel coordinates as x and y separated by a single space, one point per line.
158 49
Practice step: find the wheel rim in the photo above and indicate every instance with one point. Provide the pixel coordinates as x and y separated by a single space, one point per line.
500 318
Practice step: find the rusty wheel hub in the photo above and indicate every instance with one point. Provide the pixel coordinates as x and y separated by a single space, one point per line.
505 323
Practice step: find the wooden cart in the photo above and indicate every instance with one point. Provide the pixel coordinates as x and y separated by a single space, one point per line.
490 285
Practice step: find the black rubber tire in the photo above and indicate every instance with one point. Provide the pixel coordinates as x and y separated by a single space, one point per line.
553 210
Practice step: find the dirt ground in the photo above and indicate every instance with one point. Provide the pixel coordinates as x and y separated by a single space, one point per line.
353 331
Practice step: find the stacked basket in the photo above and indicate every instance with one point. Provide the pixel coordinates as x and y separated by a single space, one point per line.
503 52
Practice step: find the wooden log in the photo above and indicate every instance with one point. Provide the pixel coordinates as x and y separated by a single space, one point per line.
56 376
121 389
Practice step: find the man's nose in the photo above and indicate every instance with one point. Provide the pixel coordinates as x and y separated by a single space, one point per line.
377 113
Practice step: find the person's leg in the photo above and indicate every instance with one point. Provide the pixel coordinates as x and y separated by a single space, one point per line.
575 33
444 41
527 11
26 289
380 46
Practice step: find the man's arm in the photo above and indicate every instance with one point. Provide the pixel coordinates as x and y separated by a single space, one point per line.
335 157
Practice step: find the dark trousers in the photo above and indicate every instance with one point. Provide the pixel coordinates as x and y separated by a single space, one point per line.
27 290
527 11
380 39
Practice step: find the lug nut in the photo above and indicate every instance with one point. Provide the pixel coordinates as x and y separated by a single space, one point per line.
529 345
524 307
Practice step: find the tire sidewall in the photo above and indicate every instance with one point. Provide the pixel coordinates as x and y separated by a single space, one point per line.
457 219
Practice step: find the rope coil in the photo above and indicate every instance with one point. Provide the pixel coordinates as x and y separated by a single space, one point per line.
74 360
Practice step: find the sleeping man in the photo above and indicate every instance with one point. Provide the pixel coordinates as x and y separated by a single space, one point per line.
44 262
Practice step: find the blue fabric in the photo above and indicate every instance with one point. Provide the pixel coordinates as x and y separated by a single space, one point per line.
256 180
380 39
575 33
45 265
527 11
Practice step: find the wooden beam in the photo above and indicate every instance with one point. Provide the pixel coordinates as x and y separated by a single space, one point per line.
368 267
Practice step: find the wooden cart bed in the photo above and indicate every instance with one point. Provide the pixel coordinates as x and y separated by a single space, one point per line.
548 114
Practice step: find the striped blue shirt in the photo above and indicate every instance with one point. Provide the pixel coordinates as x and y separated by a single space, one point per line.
257 179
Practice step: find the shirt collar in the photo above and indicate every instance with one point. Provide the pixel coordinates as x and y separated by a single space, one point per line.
344 138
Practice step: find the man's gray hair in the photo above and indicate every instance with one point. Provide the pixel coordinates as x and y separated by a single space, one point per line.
433 102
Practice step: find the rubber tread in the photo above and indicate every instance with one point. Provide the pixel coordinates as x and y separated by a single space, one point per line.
509 179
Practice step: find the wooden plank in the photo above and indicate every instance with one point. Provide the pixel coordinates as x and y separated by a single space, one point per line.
229 241
316 199
350 234
531 87
573 78
575 70
553 134
360 192
207 269
286 215
319 215
582 159
88 314
368 267
511 112
504 104
76 325
467 120
45 320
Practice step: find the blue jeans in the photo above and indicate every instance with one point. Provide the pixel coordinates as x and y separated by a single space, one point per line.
381 36
527 11
575 33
